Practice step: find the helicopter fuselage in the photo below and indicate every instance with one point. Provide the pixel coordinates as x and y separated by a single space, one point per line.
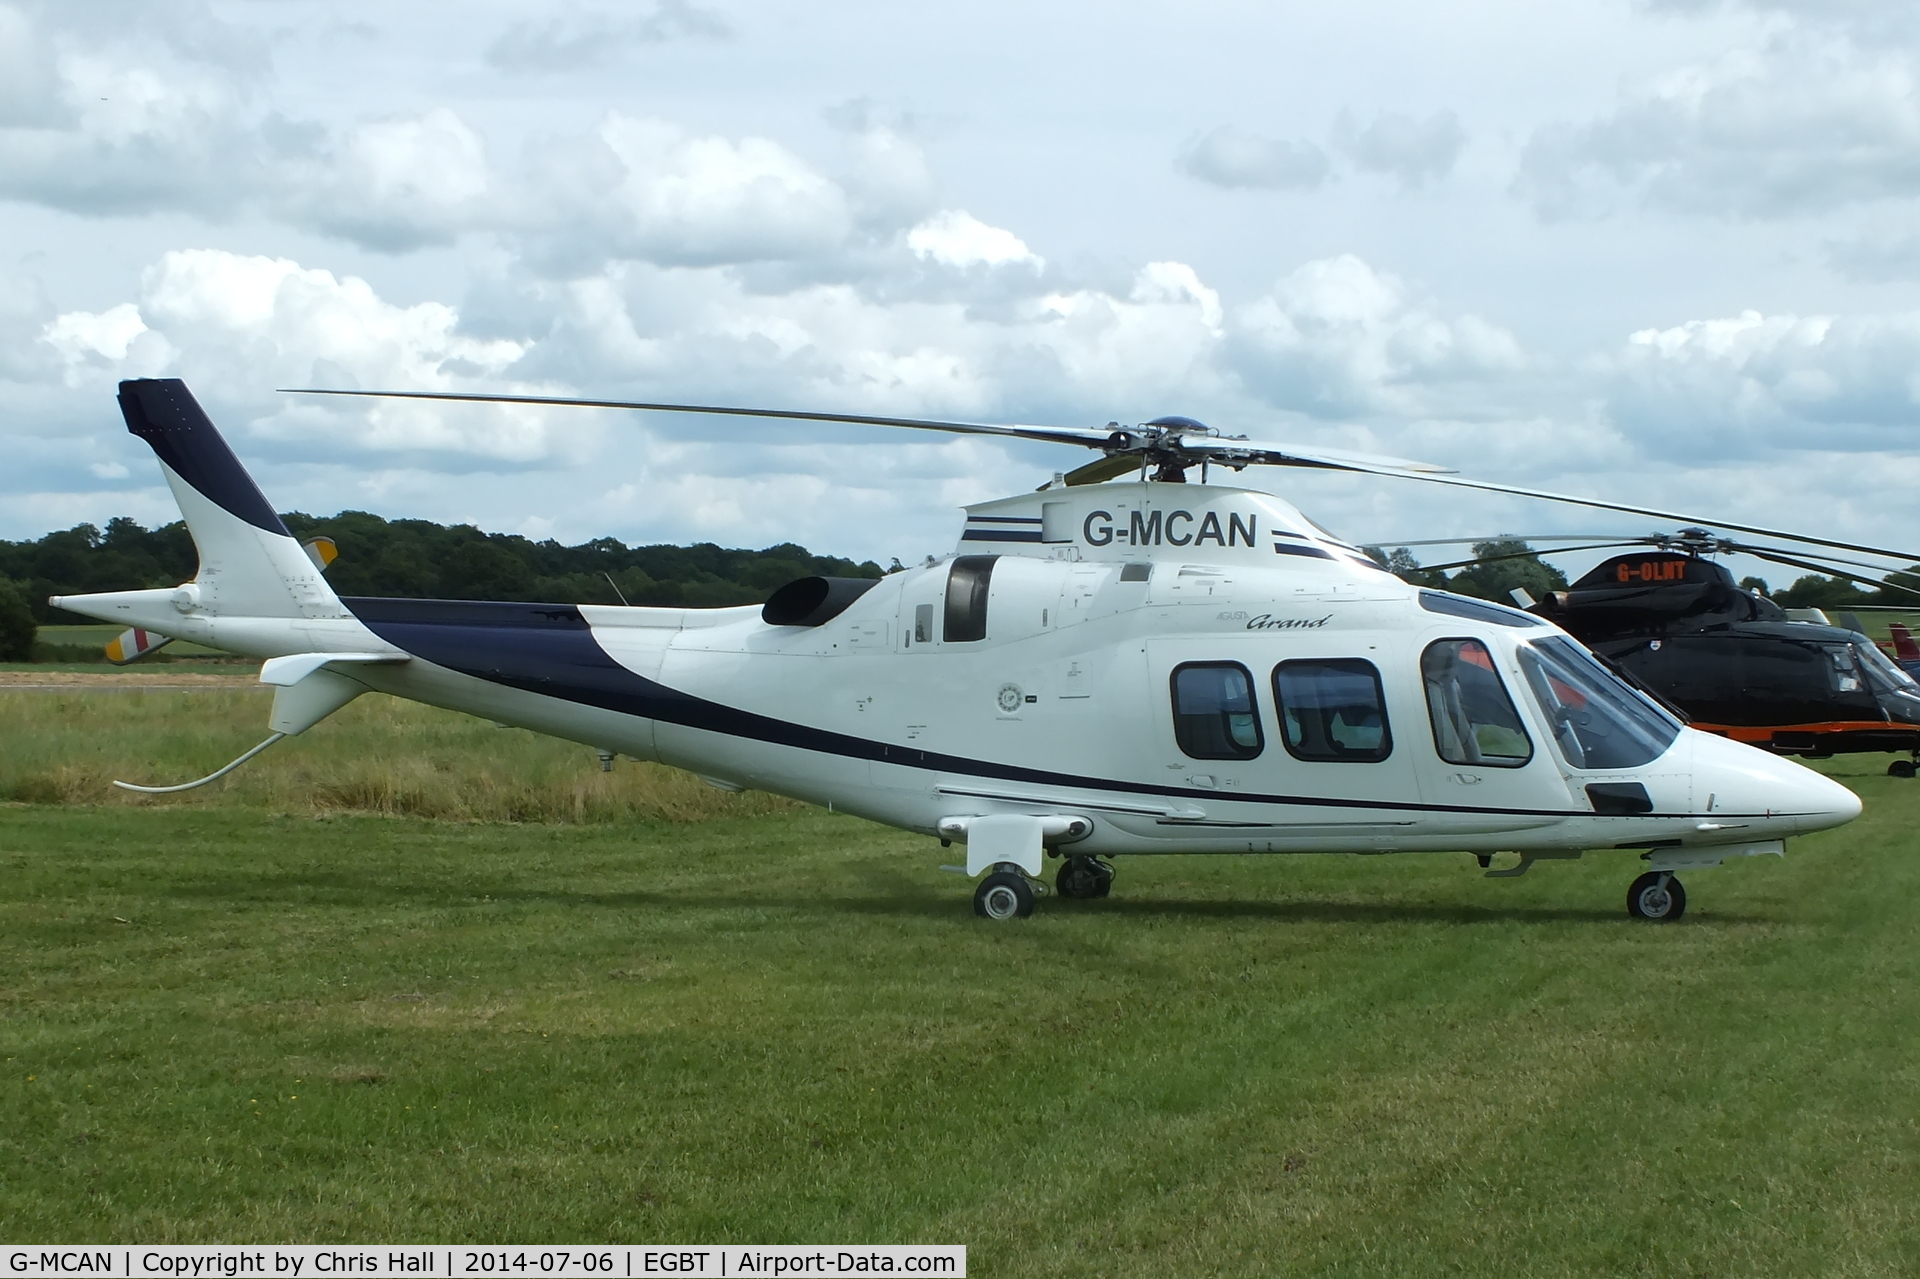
1042 672
1733 661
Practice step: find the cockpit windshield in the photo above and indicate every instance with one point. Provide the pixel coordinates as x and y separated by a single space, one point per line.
1598 721
1885 672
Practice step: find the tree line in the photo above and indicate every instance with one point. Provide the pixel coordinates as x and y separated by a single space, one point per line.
423 560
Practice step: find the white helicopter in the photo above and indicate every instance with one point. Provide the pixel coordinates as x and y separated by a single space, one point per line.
1104 667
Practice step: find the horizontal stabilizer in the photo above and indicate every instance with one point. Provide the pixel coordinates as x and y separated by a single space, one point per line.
295 667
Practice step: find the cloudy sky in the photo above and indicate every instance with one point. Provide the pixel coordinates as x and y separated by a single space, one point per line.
1660 250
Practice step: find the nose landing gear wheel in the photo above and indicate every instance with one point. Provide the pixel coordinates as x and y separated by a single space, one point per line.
1003 895
1657 895
1900 768
1084 878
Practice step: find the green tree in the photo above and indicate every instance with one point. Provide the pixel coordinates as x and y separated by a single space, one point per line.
1507 563
1903 588
1814 591
16 623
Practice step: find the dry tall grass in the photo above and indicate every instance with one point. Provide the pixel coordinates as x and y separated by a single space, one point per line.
378 755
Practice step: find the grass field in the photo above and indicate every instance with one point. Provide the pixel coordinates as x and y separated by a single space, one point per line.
277 1015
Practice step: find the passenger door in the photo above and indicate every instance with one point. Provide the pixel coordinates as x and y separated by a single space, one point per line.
1476 749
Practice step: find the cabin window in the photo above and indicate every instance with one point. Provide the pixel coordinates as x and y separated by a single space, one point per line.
1332 709
1214 716
1846 675
1889 676
1474 721
923 623
1598 721
967 585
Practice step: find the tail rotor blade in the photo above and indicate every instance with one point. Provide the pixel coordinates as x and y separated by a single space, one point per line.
322 551
133 644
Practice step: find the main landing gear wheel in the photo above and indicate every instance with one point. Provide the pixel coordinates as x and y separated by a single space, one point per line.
1084 877
1003 895
1900 768
1657 895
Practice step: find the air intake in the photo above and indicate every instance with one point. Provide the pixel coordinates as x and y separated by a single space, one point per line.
814 601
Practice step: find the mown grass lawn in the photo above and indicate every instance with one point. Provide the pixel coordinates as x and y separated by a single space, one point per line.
227 1023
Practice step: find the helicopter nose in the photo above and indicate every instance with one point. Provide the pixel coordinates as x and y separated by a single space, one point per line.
1789 798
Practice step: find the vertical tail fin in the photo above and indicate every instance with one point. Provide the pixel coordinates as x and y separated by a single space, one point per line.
250 564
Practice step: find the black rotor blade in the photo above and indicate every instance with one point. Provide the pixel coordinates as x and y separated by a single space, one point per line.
1520 555
1741 548
1488 486
1625 539
1051 434
1830 572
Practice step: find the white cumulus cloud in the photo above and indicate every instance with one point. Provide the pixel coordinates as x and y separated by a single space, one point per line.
396 183
649 190
83 337
954 237
239 325
1782 381
1337 338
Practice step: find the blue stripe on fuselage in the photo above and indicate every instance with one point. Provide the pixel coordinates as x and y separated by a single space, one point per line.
549 649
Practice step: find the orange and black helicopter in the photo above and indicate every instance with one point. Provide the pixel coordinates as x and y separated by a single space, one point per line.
1730 659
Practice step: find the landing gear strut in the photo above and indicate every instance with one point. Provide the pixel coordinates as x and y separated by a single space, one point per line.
1005 894
1084 877
1657 895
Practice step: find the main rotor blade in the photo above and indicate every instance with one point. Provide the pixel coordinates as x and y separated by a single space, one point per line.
1625 539
1742 548
1229 451
1830 572
1212 448
1488 486
1519 555
1051 434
